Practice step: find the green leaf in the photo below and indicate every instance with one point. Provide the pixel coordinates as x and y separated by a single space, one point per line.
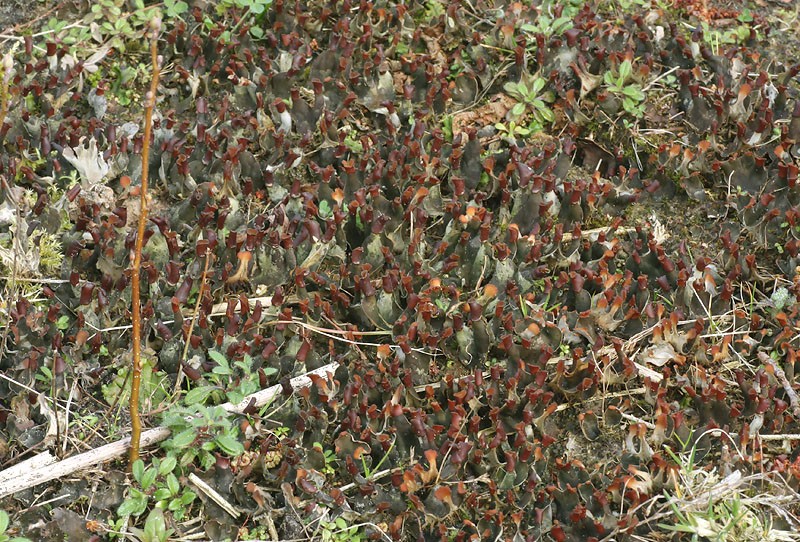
138 470
746 16
188 497
63 322
538 85
324 209
162 494
634 92
4 521
518 109
188 457
198 395
149 478
517 90
207 460
625 70
134 505
167 465
183 439
173 484
218 357
155 528
257 32
561 25
230 445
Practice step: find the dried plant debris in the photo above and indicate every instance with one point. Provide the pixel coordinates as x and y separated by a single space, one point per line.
552 250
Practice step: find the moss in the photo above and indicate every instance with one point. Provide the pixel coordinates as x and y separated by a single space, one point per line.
51 254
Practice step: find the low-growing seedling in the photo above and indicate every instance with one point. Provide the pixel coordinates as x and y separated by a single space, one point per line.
339 531
157 484
226 382
512 130
200 431
533 99
253 13
733 35
547 23
622 85
174 9
330 459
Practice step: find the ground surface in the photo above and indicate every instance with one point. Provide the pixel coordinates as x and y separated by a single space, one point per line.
545 255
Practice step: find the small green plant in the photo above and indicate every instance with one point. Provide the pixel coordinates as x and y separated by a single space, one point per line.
257 532
325 212
339 531
253 13
433 10
627 5
117 23
198 432
734 35
122 87
155 527
330 459
622 85
369 472
174 9
112 24
158 484
227 383
512 130
547 23
533 99
4 521
353 144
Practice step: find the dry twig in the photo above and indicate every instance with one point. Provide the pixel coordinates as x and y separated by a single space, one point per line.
136 373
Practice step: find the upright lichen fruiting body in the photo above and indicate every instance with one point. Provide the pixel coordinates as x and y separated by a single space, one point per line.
136 372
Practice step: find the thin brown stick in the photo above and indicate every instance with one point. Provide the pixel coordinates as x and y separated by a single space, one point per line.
136 372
